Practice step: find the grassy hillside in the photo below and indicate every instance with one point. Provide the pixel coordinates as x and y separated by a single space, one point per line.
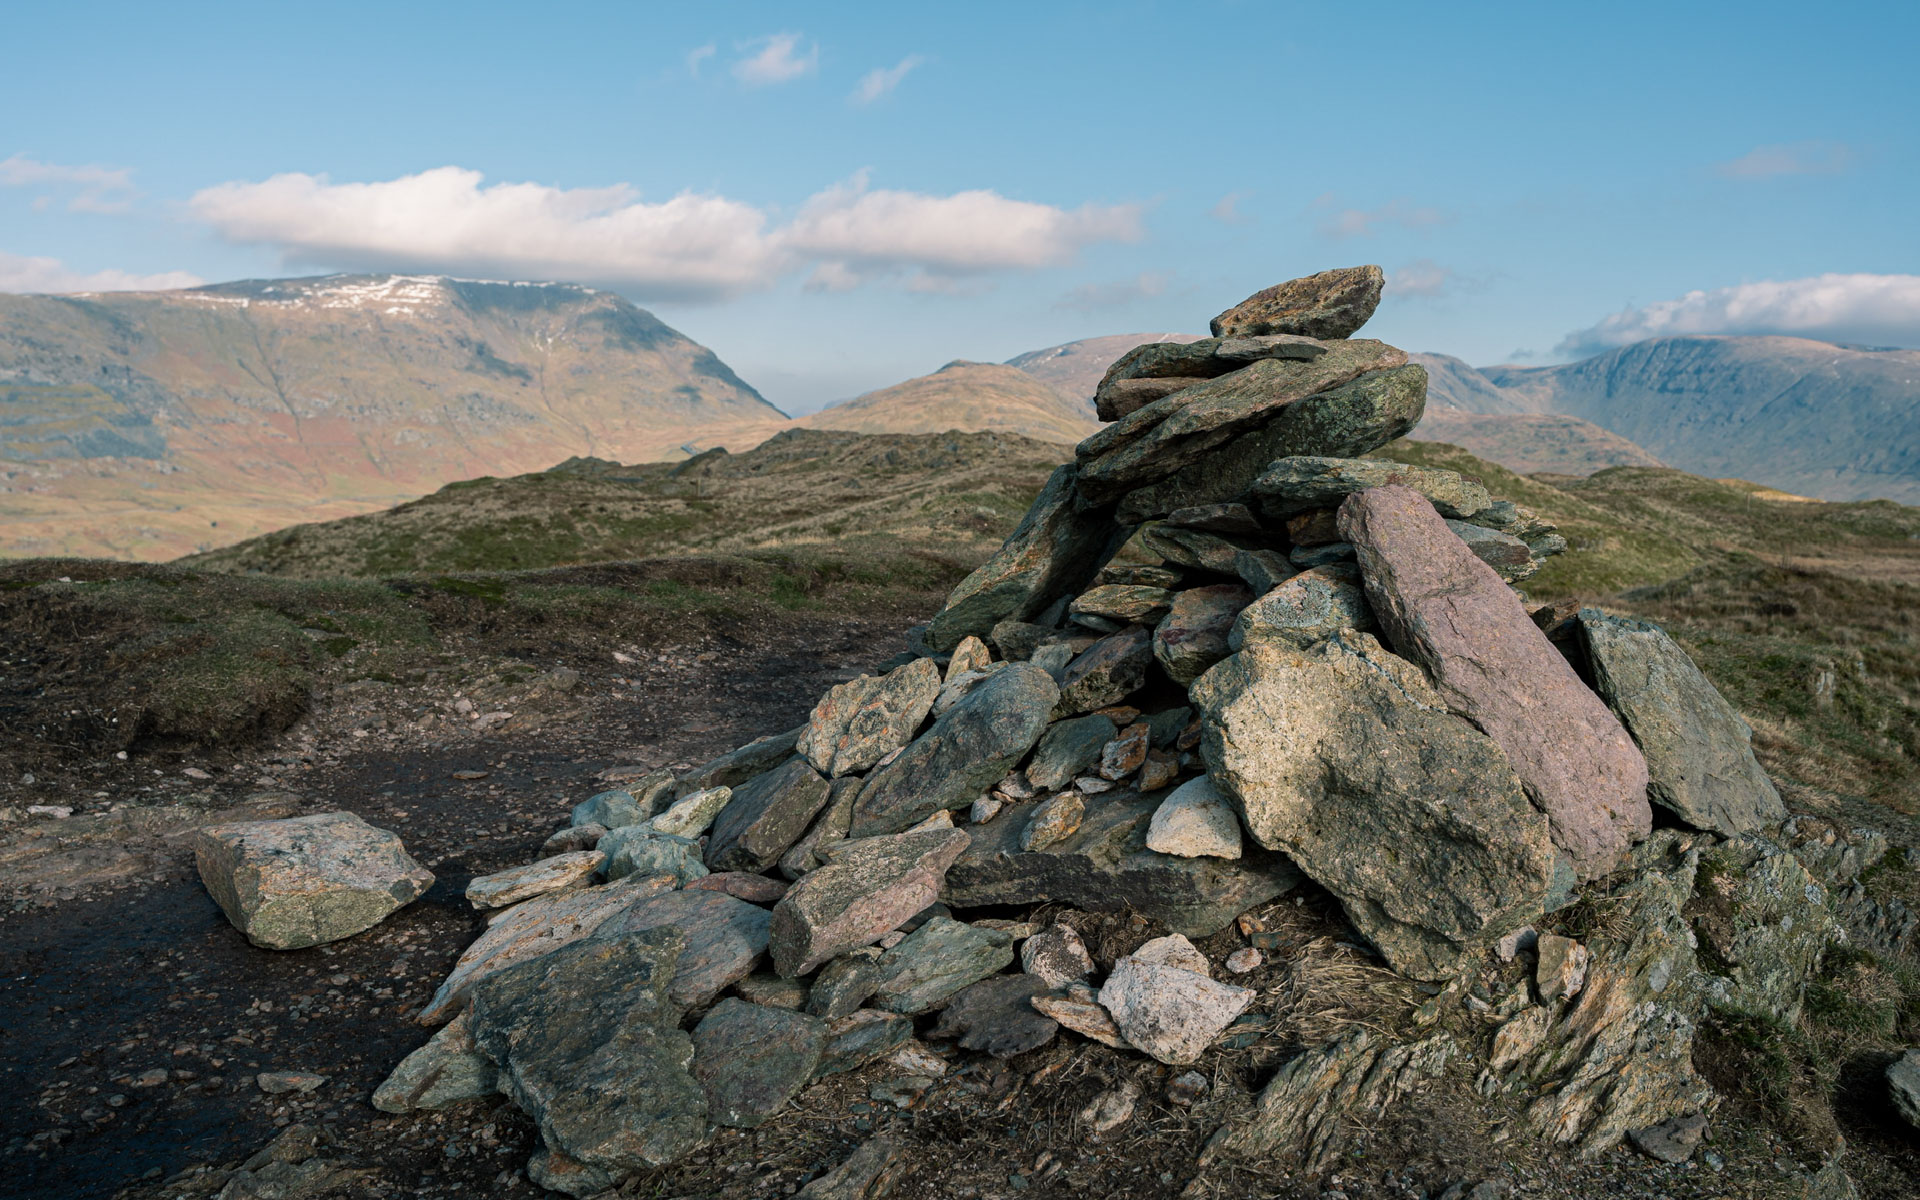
963 395
1803 613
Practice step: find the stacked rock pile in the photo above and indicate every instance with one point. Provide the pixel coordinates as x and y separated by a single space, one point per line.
1222 655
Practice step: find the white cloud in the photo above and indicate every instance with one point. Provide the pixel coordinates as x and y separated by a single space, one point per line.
1365 222
690 247
95 189
1872 309
1096 297
1793 158
777 60
698 55
1422 278
881 81
19 273
1227 212
863 234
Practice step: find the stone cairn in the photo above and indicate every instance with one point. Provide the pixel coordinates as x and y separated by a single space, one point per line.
1223 655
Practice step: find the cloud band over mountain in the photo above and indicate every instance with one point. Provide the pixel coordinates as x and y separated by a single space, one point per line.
1866 309
688 248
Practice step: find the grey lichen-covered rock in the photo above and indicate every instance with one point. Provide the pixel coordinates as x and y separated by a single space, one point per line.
1056 956
738 766
1170 434
1193 635
1762 922
829 827
1188 363
589 1046
689 816
1106 672
1293 485
1105 866
725 937
1330 304
447 1070
1198 549
1303 1114
536 928
1263 570
1509 557
305 881
1069 748
937 960
1343 422
1306 609
858 723
963 753
1050 555
846 983
639 850
1168 1011
1345 758
1700 764
867 888
858 1038
1195 821
997 1015
1053 820
1903 1086
752 1060
1447 611
866 1174
1622 1057
1123 602
535 879
766 816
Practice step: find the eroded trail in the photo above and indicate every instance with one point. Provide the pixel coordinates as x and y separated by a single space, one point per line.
137 1020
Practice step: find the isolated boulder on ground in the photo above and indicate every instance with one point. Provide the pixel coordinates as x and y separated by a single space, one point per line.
1448 611
856 724
963 753
589 1046
1700 764
305 881
866 889
1344 757
1330 304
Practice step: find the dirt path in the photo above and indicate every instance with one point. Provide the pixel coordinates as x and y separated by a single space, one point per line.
136 1019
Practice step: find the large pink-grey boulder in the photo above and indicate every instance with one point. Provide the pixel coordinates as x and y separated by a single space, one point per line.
1442 607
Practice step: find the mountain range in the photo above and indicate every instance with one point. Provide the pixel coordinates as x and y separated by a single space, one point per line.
1813 418
149 425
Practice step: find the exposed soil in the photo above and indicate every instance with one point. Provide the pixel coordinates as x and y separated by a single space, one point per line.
136 1019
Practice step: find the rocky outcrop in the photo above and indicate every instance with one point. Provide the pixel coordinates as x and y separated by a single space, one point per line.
1447 611
1700 764
306 881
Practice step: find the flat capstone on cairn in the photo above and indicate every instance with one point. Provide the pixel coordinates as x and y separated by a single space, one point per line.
1224 655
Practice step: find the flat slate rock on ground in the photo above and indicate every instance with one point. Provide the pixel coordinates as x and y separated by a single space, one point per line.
306 881
1449 612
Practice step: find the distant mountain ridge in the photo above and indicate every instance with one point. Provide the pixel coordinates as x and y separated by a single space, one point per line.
132 422
1808 417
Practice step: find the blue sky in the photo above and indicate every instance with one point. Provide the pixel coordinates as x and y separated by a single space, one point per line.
836 198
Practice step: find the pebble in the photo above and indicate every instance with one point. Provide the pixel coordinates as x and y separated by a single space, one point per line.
1243 960
1111 1108
1187 1088
280 1083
